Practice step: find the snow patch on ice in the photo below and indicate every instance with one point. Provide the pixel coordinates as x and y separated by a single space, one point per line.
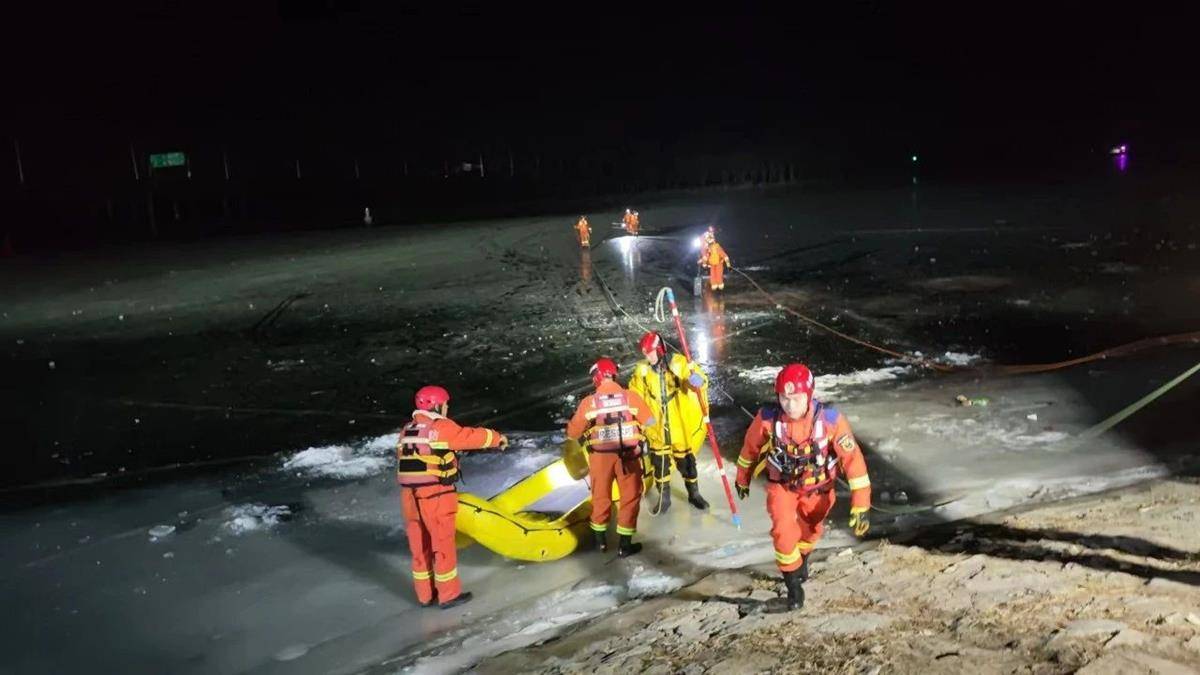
830 386
1119 268
959 358
160 531
246 518
1042 438
995 431
648 583
366 458
381 445
761 373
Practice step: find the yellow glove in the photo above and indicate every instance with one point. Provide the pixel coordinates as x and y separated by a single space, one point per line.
860 522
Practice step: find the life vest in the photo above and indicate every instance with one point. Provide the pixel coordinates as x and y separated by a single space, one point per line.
422 459
613 426
809 465
678 411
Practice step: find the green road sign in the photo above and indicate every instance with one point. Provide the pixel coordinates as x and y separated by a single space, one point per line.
167 159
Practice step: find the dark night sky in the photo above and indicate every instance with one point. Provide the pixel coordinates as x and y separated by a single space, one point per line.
331 70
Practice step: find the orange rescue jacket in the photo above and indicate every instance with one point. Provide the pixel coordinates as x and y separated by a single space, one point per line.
425 453
612 419
821 444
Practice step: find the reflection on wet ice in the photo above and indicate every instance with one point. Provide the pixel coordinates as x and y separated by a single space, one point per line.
631 256
710 338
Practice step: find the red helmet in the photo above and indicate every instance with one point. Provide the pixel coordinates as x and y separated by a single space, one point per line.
602 368
431 397
653 342
795 378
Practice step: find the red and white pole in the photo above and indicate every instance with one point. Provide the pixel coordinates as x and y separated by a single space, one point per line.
712 436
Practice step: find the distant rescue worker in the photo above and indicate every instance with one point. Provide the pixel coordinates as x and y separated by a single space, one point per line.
427 469
677 391
631 222
803 445
610 424
584 231
707 238
713 257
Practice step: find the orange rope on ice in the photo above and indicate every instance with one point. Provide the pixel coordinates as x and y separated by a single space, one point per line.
807 319
1015 369
1118 351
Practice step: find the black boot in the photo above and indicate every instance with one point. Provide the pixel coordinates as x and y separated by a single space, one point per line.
687 469
461 599
626 547
601 539
694 497
795 591
662 501
804 570
662 479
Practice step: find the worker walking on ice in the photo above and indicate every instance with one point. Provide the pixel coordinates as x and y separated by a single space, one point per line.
427 469
713 258
584 231
631 222
677 391
609 424
803 445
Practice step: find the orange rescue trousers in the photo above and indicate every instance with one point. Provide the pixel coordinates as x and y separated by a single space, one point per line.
429 513
797 522
716 276
603 469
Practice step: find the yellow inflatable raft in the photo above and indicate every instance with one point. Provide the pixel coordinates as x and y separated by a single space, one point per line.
502 523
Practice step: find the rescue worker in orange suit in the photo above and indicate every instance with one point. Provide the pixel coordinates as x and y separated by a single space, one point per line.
678 390
706 239
630 221
803 445
713 258
584 231
610 423
427 470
